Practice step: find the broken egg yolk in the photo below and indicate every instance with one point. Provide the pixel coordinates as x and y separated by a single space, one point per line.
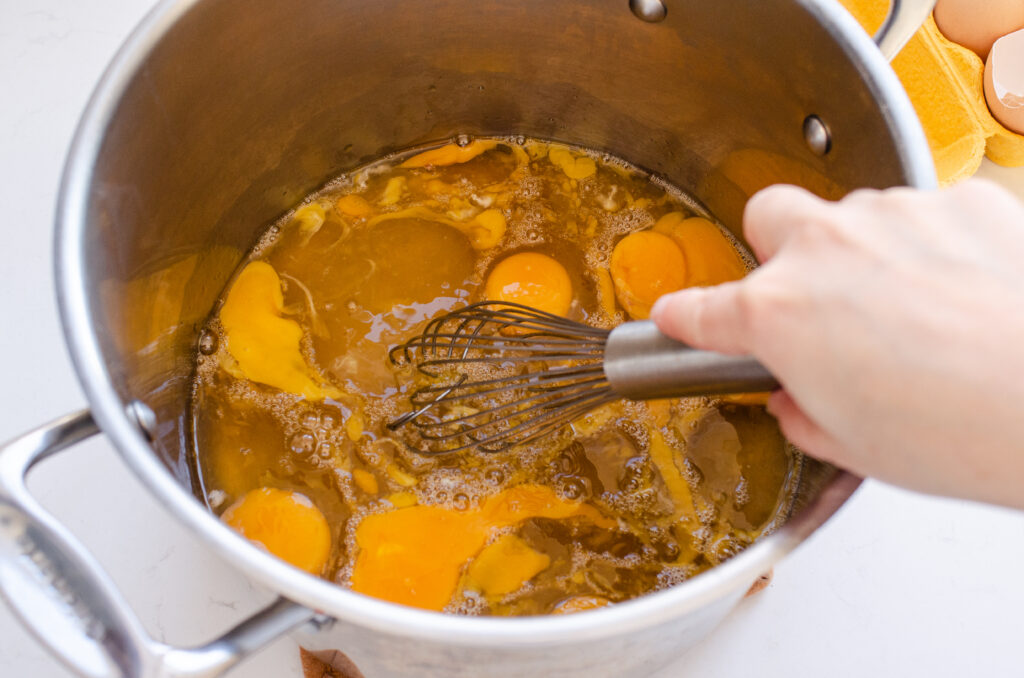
644 266
449 154
710 258
415 555
354 205
286 523
580 604
574 166
294 389
504 566
531 279
485 230
265 345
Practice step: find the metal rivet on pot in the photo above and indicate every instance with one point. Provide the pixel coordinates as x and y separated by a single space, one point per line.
652 11
817 135
140 413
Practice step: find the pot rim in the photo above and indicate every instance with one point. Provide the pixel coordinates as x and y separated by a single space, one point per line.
324 596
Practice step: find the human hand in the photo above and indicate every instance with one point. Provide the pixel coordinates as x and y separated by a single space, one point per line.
894 321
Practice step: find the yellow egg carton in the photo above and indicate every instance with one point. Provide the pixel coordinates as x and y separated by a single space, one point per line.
945 82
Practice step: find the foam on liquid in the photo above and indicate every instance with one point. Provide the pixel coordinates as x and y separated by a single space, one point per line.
740 472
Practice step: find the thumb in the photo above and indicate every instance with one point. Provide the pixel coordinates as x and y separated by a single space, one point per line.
710 318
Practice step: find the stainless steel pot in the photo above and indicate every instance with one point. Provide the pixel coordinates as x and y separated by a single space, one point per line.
217 115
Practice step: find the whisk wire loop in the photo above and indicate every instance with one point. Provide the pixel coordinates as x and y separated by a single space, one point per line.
506 374
514 374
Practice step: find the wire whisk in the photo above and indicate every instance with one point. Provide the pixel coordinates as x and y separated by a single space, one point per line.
504 374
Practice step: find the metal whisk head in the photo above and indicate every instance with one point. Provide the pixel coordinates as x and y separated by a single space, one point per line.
510 374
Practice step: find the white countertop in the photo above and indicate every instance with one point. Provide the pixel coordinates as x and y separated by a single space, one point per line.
897 584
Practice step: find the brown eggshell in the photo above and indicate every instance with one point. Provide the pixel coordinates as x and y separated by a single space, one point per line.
760 584
976 24
327 664
1004 81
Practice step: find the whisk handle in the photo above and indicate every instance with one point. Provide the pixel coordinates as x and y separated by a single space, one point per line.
641 363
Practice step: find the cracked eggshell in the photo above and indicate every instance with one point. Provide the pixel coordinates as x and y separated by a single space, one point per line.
1004 81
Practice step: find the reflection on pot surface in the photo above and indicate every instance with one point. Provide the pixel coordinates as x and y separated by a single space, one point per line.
293 389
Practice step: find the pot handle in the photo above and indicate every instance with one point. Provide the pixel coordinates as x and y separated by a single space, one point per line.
63 596
904 19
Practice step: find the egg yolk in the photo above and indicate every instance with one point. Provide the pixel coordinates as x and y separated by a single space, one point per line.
531 279
286 523
309 218
504 566
678 487
484 230
265 345
354 206
760 398
644 266
450 154
393 191
414 556
710 258
580 604
574 166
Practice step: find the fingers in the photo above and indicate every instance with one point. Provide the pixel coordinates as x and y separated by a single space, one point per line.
713 318
720 318
776 213
798 428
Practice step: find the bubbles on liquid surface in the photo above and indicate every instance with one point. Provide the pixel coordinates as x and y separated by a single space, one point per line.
741 495
315 445
208 342
573 488
303 444
329 421
636 475
308 419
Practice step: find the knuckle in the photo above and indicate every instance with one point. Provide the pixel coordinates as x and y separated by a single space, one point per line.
821 233
866 205
773 196
702 317
861 196
750 308
764 305
757 213
900 194
772 203
900 211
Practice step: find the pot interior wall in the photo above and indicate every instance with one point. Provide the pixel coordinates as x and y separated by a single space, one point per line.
244 106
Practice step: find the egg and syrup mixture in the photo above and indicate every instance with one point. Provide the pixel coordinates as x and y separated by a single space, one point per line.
293 390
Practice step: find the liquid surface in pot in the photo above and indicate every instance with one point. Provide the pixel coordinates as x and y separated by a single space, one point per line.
293 390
